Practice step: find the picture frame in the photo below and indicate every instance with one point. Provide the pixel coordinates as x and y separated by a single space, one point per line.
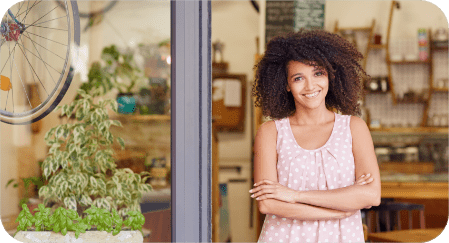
228 102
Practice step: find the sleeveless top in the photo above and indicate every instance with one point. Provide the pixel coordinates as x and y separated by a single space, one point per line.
329 167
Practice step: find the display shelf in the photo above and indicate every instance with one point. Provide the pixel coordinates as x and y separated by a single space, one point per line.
410 62
143 118
443 90
411 130
439 48
377 46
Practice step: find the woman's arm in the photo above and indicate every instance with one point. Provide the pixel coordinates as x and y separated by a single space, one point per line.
265 157
356 196
349 198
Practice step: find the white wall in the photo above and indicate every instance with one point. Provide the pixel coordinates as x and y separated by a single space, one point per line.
411 16
235 23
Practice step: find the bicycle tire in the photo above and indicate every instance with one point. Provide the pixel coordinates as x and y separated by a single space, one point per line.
65 77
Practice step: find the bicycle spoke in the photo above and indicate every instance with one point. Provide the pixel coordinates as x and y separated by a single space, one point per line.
45 64
7 96
44 47
39 58
48 27
28 9
51 20
43 16
1 71
24 89
20 7
44 38
23 20
31 67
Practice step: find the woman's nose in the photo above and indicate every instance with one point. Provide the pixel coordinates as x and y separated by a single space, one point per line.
309 84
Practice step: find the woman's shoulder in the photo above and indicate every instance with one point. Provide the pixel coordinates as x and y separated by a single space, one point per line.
358 125
267 127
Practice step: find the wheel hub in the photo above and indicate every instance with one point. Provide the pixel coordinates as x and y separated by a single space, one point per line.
11 31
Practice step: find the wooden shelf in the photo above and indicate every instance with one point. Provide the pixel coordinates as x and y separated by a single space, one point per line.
410 62
440 90
144 117
354 29
411 130
439 48
377 46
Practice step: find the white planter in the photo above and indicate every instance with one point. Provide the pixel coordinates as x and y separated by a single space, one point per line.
88 237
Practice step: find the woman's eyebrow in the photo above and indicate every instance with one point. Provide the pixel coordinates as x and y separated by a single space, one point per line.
296 74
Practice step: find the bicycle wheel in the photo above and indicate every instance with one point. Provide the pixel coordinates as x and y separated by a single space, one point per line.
103 10
39 46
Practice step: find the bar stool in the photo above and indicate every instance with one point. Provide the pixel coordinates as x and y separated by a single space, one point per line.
386 208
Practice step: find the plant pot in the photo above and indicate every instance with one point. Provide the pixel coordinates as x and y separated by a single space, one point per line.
88 237
126 103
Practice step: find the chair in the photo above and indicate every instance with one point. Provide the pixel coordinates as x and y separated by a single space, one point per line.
385 209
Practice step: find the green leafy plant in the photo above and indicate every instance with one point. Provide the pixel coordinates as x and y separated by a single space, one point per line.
135 220
116 70
80 164
42 218
38 181
99 217
64 220
25 219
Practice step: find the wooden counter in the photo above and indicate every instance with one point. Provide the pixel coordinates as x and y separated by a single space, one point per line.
416 235
415 190
433 195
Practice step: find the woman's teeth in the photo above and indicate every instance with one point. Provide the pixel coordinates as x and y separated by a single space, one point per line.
312 95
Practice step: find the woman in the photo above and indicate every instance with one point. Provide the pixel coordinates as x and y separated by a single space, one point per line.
307 159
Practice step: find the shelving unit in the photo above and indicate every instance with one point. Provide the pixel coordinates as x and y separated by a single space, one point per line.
425 99
143 118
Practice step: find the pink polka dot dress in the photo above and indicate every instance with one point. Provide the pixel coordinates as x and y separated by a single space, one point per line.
328 167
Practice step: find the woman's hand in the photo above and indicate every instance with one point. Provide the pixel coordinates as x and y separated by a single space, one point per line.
267 189
364 180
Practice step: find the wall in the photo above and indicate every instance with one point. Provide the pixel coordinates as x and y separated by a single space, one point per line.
235 23
406 21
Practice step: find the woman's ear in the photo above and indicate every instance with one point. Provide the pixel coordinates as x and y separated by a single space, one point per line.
288 88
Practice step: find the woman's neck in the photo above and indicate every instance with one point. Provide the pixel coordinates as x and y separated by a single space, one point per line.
316 116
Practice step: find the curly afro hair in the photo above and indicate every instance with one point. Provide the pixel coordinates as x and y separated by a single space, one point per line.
319 48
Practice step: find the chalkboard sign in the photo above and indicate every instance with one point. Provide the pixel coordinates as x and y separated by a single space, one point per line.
309 14
279 18
288 16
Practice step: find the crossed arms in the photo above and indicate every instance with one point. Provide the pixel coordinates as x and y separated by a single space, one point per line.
274 198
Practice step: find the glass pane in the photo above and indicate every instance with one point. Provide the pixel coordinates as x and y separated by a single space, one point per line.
124 54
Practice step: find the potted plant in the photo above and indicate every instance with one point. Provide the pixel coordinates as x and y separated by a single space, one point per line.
117 70
81 173
125 74
33 183
31 186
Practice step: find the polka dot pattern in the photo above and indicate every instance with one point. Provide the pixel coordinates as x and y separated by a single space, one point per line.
328 167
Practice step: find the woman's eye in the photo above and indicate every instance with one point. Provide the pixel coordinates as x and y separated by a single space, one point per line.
319 73
298 78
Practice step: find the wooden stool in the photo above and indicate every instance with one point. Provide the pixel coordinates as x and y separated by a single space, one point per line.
396 207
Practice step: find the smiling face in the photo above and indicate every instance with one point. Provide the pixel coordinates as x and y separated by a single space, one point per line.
308 85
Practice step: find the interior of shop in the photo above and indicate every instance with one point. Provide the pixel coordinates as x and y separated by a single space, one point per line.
405 105
124 50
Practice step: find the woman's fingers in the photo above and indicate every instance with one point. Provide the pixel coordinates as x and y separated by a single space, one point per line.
264 192
364 179
264 181
364 176
364 182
